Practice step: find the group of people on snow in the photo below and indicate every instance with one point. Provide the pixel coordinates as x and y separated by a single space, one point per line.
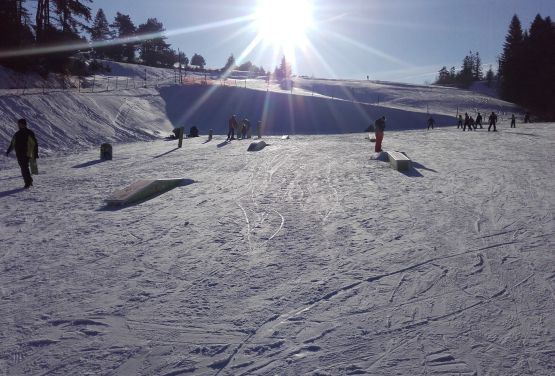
25 143
243 130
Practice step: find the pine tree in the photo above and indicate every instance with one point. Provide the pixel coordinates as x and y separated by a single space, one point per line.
490 76
100 31
198 60
511 62
283 72
124 28
230 64
477 69
15 31
72 16
153 49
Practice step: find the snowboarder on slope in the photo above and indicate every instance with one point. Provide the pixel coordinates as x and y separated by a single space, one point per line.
379 127
26 148
431 123
232 125
513 121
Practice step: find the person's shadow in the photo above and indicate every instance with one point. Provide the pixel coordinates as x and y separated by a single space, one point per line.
11 192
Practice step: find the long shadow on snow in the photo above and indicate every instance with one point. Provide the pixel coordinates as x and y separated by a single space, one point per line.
166 153
281 113
89 163
184 182
11 192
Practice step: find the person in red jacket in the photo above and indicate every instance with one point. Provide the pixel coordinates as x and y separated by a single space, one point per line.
379 127
26 147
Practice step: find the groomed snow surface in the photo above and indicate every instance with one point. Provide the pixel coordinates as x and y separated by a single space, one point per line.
307 257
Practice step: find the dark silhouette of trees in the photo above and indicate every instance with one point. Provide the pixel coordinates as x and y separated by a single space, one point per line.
198 60
490 76
72 15
511 62
283 72
100 31
527 66
153 49
230 64
15 30
123 27
471 70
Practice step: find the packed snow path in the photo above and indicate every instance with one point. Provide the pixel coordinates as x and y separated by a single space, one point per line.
304 258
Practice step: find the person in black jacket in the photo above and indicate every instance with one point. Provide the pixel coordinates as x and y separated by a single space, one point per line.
26 147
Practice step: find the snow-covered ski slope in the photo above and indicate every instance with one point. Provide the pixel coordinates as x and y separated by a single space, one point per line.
305 258
80 117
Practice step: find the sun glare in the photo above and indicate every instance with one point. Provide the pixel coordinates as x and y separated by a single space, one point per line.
284 23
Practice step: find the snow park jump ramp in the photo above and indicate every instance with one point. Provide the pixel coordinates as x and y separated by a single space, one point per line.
281 113
142 190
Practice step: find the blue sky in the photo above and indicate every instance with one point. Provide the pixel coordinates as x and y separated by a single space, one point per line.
397 40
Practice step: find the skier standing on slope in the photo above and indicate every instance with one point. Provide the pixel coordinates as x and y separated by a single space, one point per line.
460 123
379 127
479 121
232 122
492 121
466 122
26 148
431 123
513 121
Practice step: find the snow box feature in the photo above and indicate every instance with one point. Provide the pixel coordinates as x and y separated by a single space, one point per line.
142 190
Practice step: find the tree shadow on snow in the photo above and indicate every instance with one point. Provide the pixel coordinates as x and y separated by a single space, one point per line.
10 192
112 208
89 163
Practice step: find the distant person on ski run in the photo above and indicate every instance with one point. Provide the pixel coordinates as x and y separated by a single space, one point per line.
26 148
492 121
513 121
460 123
466 122
431 123
479 121
244 127
379 127
232 125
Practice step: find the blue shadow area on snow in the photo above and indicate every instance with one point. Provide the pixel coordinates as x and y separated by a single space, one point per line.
11 192
209 107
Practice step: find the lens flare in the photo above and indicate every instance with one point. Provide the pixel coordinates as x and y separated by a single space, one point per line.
284 23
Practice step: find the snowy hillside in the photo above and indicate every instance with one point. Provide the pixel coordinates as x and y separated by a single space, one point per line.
305 258
116 107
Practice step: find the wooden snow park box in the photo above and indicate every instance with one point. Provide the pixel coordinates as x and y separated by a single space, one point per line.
398 161
141 190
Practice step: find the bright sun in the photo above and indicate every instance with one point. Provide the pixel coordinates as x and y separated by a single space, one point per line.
283 23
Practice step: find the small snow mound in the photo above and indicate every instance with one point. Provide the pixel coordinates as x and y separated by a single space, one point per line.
257 146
